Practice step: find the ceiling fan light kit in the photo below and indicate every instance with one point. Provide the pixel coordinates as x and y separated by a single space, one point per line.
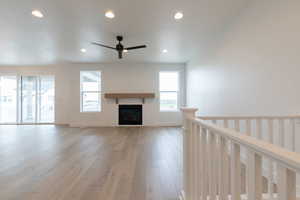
119 47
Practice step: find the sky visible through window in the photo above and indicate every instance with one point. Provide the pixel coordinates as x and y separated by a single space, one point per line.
169 87
90 91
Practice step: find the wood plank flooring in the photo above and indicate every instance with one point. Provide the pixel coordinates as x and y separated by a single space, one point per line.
62 163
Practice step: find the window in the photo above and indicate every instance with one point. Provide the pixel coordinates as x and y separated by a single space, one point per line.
90 91
27 99
169 90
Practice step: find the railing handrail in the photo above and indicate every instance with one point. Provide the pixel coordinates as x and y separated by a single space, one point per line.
233 117
286 158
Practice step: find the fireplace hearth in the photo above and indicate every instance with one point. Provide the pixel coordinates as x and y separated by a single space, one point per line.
130 114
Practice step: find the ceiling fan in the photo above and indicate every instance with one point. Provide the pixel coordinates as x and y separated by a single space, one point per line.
119 47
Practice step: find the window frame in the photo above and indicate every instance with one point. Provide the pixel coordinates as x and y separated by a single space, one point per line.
178 92
99 92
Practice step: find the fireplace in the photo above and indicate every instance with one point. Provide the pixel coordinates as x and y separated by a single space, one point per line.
130 115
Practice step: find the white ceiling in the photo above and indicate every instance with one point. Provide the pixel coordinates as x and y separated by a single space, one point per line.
70 25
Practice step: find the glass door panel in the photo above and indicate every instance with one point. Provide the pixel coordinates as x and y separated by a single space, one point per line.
28 99
8 99
46 99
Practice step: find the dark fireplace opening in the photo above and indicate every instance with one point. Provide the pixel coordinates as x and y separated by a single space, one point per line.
130 115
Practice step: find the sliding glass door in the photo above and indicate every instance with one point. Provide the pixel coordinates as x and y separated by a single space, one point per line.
46 99
8 99
27 99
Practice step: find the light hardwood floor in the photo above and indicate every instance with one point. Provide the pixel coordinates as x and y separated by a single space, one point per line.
62 163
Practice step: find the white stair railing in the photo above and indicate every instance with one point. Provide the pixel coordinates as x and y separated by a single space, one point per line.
262 127
212 171
278 130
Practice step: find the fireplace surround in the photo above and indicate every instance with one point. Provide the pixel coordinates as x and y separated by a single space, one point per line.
130 114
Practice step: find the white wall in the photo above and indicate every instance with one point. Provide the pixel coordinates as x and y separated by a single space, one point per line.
115 78
254 68
124 78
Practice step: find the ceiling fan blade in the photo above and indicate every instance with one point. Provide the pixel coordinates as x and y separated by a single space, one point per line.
102 45
136 47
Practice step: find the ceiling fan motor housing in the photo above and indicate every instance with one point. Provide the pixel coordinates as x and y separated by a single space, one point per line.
119 47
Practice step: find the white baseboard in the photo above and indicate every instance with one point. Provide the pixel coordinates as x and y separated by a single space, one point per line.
21 124
243 197
77 125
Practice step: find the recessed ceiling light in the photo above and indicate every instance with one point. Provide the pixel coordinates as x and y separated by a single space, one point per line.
165 51
83 50
178 15
109 14
37 13
125 50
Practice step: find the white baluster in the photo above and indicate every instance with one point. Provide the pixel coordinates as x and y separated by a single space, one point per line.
218 165
204 183
223 170
212 166
270 130
235 172
281 133
225 123
199 163
248 164
190 162
255 176
271 168
258 129
286 184
193 162
248 127
237 125
293 132
282 144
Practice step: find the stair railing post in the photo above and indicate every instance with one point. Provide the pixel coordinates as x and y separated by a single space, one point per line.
187 114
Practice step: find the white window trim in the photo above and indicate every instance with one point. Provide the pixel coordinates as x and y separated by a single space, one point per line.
82 92
178 92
